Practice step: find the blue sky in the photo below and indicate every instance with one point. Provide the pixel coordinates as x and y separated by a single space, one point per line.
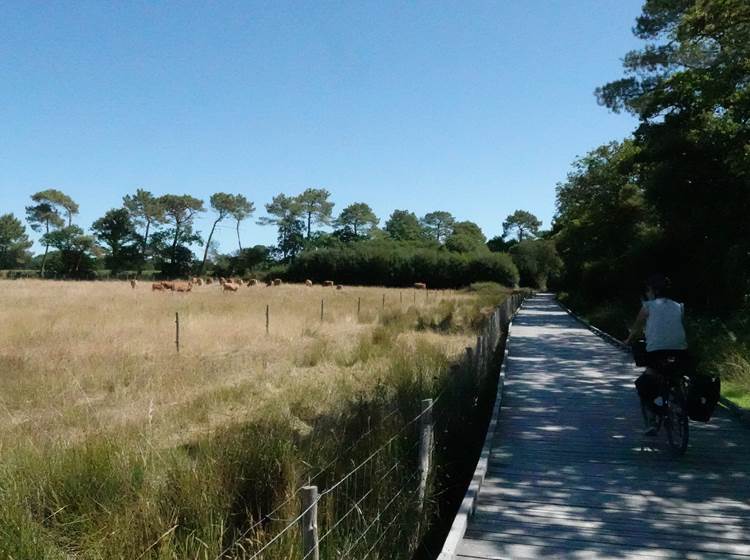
477 108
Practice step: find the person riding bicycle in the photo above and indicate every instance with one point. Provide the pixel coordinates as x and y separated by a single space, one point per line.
660 318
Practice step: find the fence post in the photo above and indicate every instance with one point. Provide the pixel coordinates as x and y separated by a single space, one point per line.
309 522
479 353
177 331
383 301
267 317
359 306
425 448
321 310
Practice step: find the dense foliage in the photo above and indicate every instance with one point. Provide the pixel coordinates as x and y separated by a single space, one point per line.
393 264
676 196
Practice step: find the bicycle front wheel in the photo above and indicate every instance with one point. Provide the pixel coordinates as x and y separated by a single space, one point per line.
676 421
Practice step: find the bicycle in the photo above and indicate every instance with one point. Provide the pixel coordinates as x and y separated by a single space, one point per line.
672 413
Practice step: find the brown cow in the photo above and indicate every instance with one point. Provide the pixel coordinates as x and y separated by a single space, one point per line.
277 282
328 283
209 281
183 286
420 286
230 287
134 283
157 286
339 287
168 285
252 282
269 283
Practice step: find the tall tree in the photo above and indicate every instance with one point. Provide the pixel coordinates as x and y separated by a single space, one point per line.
537 260
179 211
467 237
225 205
14 243
73 246
403 225
523 223
117 231
46 214
356 220
315 207
147 212
241 210
439 224
695 61
286 214
690 88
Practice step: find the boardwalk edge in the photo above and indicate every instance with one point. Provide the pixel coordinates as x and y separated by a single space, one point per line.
468 504
740 413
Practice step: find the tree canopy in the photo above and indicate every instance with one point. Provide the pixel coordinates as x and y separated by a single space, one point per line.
438 224
356 221
403 225
521 223
14 243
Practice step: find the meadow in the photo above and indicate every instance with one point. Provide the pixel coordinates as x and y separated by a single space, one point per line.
116 445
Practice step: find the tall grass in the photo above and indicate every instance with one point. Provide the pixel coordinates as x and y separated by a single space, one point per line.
117 447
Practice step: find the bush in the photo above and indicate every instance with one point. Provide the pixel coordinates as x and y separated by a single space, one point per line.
401 265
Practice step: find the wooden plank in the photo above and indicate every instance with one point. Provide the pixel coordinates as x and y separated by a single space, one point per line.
570 476
530 548
555 531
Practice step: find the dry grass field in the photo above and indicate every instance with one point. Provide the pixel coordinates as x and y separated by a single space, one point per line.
100 409
82 358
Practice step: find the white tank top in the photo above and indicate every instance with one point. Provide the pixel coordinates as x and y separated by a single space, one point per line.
664 330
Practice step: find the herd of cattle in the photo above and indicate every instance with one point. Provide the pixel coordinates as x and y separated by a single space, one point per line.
233 284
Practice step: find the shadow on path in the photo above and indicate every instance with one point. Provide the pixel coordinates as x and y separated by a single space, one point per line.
571 476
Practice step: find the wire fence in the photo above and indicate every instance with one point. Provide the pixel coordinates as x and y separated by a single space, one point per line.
354 514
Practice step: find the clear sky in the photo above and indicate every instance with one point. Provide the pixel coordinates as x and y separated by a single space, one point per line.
473 107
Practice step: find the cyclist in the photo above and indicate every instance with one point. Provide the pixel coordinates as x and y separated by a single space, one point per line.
661 319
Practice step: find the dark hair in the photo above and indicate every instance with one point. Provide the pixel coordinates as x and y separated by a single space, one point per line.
659 284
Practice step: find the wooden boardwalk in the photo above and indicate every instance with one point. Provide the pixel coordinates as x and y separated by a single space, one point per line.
571 476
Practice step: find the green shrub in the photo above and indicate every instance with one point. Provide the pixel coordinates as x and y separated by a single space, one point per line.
366 263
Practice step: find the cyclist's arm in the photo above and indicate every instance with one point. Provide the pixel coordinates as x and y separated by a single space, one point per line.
637 328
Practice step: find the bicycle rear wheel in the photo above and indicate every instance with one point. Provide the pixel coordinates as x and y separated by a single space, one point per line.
676 420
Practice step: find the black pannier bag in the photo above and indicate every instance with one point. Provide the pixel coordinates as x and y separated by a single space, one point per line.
639 352
703 394
647 386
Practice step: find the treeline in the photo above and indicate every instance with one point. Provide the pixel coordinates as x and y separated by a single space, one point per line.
155 235
675 197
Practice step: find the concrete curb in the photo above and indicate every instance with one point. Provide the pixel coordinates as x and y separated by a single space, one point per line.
468 504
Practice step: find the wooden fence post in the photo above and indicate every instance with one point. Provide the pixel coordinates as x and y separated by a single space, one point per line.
322 304
383 301
425 448
401 298
359 306
177 331
267 318
309 523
